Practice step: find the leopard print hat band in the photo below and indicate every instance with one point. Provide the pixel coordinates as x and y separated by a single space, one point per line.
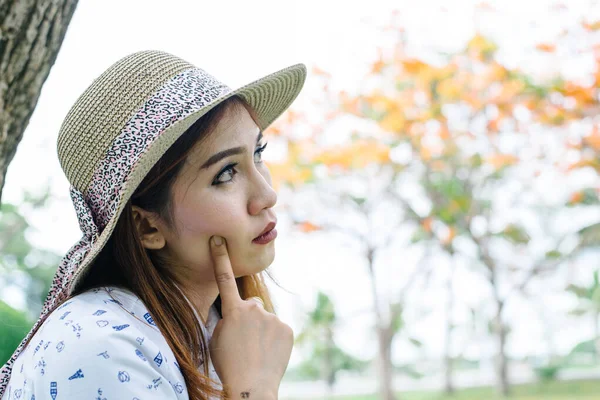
120 127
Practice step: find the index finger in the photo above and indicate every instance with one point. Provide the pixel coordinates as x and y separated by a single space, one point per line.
224 276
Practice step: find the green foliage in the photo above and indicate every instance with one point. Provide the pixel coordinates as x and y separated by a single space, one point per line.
589 197
312 368
553 254
419 235
12 238
585 347
548 373
318 335
590 235
398 321
515 234
463 363
452 201
410 371
589 295
558 390
14 325
324 312
21 263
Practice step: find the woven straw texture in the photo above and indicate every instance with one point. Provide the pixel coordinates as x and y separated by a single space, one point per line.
102 111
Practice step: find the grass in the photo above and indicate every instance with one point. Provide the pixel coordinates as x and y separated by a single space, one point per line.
560 390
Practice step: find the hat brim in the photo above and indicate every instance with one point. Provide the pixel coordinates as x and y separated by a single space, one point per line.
269 97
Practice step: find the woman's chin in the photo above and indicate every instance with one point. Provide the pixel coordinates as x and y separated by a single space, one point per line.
256 263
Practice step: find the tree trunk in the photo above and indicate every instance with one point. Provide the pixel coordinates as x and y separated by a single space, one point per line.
448 361
384 337
503 386
329 372
596 336
31 33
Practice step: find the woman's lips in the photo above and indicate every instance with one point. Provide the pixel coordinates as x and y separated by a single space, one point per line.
266 237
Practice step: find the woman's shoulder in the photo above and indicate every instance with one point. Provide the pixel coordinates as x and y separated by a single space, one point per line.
96 345
104 317
102 312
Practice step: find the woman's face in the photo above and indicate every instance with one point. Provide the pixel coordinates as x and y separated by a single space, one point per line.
223 189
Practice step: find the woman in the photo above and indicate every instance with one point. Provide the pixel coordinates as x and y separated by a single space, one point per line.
163 297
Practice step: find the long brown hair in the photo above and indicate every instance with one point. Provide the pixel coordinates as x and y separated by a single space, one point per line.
124 262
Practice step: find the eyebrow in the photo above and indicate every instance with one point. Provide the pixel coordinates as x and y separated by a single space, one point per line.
227 153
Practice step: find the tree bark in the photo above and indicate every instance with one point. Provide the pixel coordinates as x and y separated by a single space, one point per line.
329 372
384 337
596 335
31 33
448 360
503 385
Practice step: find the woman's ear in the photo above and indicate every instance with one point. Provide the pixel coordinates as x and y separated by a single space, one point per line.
148 229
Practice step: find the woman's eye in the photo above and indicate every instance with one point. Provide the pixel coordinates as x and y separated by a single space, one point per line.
259 152
228 172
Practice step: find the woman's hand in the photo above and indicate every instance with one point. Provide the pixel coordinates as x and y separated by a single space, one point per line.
250 347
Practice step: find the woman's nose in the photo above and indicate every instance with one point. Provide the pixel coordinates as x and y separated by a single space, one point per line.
262 193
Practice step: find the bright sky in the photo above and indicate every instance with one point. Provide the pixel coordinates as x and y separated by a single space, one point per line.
240 41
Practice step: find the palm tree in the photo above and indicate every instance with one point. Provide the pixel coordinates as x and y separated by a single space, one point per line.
319 333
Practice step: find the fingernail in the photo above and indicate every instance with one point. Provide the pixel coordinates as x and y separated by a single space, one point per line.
217 240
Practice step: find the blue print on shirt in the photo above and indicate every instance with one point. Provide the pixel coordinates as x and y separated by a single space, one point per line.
41 363
140 340
123 376
102 323
18 393
100 395
155 383
149 319
64 315
53 390
64 305
99 312
77 329
178 387
104 354
140 354
38 346
60 346
158 359
120 327
77 375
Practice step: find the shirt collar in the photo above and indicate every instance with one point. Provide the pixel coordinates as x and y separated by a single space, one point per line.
135 306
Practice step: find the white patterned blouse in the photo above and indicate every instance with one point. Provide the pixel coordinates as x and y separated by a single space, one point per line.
104 345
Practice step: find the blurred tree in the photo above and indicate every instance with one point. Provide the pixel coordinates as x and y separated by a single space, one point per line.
31 33
461 145
353 208
14 325
326 359
23 265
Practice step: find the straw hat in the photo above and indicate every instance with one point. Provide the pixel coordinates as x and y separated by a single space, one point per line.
121 126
